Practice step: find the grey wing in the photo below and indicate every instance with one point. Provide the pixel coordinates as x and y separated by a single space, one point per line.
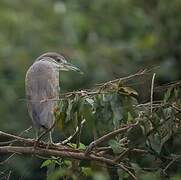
42 88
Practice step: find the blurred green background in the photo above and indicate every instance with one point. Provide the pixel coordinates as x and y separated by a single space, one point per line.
106 39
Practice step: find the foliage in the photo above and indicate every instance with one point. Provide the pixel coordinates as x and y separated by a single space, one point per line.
150 149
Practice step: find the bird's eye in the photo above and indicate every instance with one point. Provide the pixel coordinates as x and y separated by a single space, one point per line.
58 59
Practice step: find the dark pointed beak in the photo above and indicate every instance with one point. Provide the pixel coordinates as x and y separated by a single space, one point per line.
68 66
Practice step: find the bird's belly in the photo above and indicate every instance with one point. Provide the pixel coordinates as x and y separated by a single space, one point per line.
42 90
42 114
42 102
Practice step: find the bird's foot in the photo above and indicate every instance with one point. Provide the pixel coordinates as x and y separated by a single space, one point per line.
50 144
36 143
43 100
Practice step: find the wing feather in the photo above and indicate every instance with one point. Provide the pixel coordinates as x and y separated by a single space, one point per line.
42 88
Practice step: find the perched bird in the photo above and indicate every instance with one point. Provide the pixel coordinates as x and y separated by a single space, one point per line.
42 89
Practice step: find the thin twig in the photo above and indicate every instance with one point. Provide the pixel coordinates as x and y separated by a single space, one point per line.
9 174
74 134
139 73
13 141
21 139
7 159
25 131
171 162
119 158
107 137
128 171
151 97
167 86
176 108
41 144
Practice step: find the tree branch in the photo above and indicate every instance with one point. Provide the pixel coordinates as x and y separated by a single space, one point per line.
62 154
107 137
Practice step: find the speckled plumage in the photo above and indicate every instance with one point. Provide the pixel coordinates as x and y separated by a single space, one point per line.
42 88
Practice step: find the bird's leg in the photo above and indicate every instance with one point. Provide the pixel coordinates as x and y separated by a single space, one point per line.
37 131
50 139
36 134
50 136
38 137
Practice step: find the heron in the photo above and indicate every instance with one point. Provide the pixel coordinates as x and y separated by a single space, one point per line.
42 89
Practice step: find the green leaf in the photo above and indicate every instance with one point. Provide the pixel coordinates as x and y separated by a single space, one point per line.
135 136
67 163
117 109
116 147
69 112
167 95
75 104
61 172
155 142
47 163
128 90
63 105
84 163
130 117
73 145
87 171
90 101
100 176
82 146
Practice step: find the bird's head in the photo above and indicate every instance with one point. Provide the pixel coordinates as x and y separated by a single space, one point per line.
58 61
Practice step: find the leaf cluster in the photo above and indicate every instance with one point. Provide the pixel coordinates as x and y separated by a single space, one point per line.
151 148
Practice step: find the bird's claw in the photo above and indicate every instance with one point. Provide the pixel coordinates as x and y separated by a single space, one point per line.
43 100
36 144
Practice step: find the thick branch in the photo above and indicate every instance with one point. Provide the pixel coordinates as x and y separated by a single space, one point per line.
63 154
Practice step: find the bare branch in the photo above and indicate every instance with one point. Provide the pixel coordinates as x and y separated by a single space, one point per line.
74 134
31 142
151 97
107 137
63 154
6 160
170 163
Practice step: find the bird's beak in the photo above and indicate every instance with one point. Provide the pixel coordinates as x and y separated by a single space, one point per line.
68 66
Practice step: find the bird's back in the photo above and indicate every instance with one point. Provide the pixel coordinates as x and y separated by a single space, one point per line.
42 90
